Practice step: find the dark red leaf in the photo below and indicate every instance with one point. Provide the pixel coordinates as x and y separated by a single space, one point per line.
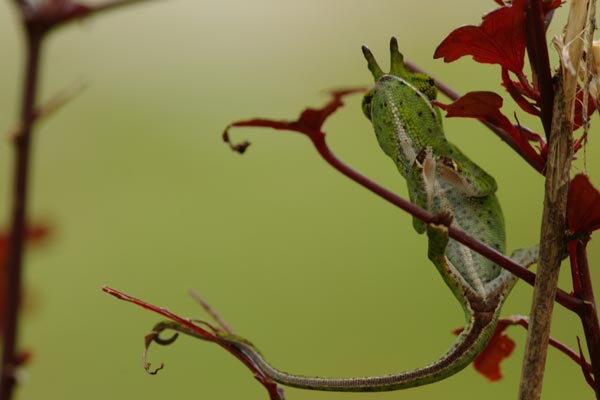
500 39
309 122
499 348
488 362
583 205
481 105
486 106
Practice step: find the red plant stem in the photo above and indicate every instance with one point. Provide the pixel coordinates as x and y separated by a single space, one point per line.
529 91
201 333
589 313
14 265
36 26
575 276
320 144
537 50
563 348
535 162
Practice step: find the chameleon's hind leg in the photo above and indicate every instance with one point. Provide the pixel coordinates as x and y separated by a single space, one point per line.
525 258
438 241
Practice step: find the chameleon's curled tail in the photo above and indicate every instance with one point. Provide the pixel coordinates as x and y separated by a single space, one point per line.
466 347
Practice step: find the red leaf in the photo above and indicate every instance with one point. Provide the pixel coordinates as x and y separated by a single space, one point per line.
488 362
583 205
309 122
500 39
498 348
481 105
486 106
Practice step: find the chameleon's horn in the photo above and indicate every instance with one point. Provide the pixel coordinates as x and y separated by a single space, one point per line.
397 59
373 66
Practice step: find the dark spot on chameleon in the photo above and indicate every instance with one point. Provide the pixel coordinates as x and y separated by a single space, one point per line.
420 113
496 246
429 130
385 103
417 94
421 156
489 222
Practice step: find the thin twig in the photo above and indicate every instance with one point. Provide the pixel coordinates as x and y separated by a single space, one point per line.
37 21
188 327
319 141
537 50
561 297
523 321
211 311
13 272
55 103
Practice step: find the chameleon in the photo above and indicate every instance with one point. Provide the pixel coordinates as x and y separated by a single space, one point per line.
444 181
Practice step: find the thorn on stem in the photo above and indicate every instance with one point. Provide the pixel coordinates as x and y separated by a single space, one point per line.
211 311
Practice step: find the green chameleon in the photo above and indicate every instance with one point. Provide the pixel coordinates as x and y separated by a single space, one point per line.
445 182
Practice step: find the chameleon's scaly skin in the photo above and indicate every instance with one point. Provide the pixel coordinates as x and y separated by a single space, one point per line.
441 179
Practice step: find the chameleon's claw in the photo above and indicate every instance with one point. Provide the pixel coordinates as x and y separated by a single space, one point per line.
442 219
373 66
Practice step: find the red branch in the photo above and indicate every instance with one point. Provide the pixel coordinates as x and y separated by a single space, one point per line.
309 124
275 392
38 18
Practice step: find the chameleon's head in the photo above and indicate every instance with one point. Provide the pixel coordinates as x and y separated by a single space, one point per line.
423 83
400 109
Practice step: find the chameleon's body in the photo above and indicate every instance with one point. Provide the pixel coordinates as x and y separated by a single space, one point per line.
441 180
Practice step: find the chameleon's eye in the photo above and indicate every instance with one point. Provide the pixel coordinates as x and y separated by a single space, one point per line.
366 104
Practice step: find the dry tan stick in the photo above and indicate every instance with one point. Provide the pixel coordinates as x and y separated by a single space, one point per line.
552 240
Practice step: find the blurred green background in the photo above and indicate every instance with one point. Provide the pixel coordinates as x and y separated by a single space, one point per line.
142 195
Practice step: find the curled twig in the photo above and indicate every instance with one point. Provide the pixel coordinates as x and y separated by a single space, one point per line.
198 329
